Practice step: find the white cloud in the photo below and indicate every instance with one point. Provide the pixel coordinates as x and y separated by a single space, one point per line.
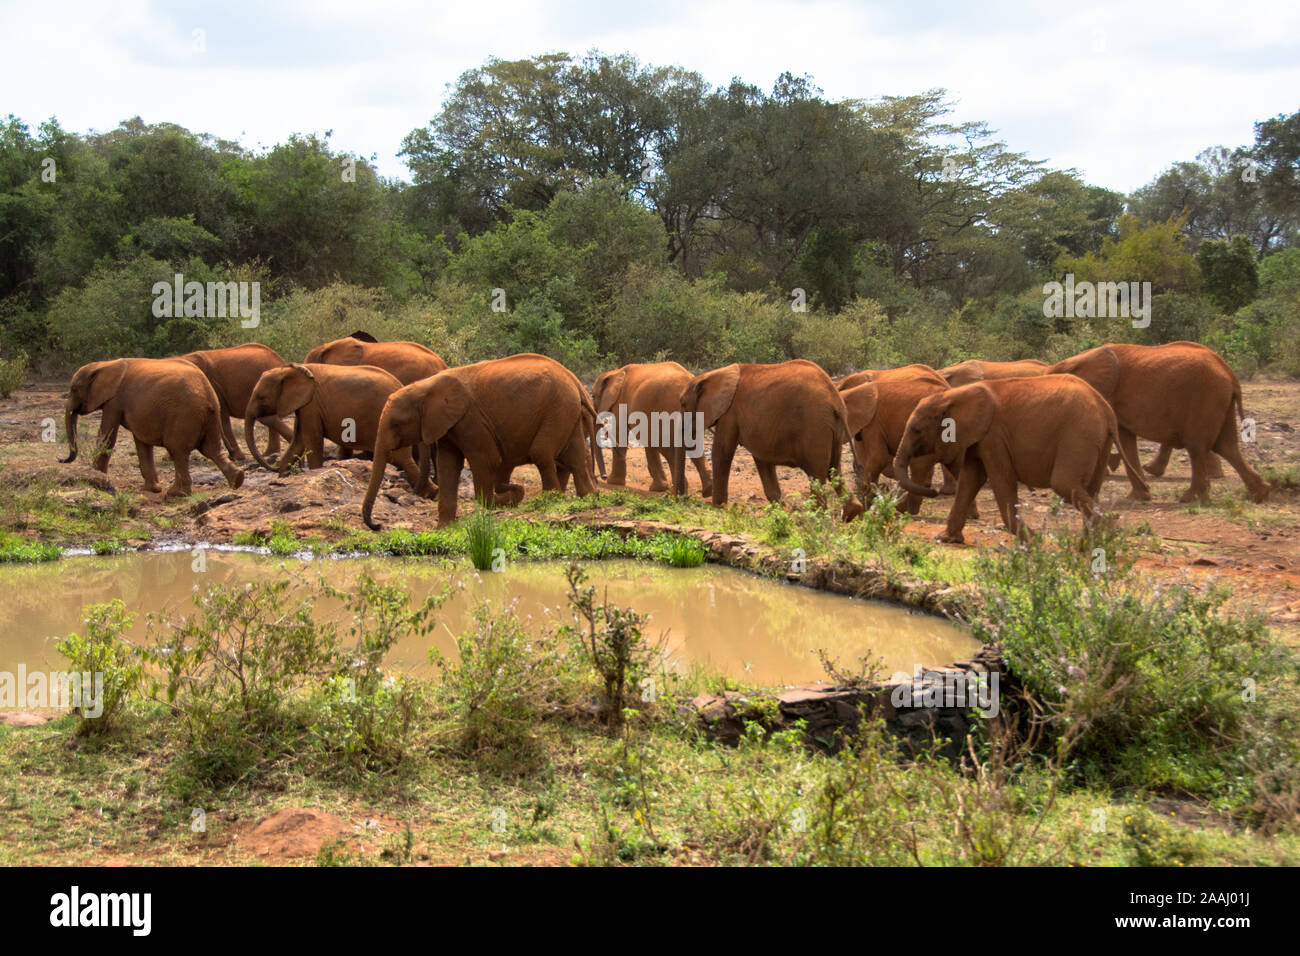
1118 93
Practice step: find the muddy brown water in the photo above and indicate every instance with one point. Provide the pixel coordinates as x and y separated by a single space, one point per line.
737 624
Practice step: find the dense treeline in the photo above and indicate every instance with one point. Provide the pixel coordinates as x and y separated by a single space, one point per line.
601 211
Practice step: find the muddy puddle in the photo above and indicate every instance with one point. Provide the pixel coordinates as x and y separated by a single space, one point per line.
733 623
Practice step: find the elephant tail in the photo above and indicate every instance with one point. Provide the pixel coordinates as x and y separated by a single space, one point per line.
1134 468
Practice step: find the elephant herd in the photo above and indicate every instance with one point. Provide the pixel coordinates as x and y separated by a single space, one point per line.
1000 423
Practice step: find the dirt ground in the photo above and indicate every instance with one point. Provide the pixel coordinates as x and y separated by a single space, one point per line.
1253 548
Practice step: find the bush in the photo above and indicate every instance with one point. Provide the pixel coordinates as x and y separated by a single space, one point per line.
1158 684
103 654
11 373
500 684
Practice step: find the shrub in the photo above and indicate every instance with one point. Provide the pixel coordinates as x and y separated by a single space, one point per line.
1158 684
500 683
485 538
104 654
11 373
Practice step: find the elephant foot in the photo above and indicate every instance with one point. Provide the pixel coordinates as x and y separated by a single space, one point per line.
175 491
154 488
950 537
853 509
1190 496
1137 494
1260 495
658 486
508 497
1152 470
234 454
236 479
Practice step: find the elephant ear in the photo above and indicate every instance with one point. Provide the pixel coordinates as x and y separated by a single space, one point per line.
297 388
860 405
104 383
714 393
608 390
447 403
971 408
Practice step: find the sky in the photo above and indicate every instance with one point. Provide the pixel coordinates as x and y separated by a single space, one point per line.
1117 93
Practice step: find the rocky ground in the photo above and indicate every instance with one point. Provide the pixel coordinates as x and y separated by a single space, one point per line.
1253 548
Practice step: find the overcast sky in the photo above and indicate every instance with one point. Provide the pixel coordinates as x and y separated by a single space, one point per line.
1117 93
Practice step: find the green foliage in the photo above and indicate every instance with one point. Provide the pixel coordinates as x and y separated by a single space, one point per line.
11 373
1156 684
484 537
105 655
1228 267
1154 841
686 553
500 683
610 638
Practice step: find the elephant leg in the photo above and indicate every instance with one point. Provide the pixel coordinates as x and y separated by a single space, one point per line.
180 486
550 477
618 467
402 458
1157 465
276 430
677 468
706 476
1228 446
108 426
562 473
211 449
1200 487
724 450
655 465
767 475
577 459
949 486
148 470
970 479
1128 442
316 454
1007 494
295 451
450 464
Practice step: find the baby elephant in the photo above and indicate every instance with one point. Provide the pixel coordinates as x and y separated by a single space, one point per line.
165 402
339 402
1052 431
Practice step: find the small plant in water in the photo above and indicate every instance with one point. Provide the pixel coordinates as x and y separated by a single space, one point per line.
484 535
686 553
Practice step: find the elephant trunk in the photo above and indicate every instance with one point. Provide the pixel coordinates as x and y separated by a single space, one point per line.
70 424
249 420
902 461
382 451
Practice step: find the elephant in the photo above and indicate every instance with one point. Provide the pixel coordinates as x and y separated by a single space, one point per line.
785 414
973 370
233 373
877 416
498 414
1182 395
407 361
164 402
905 374
652 389
1050 431
338 402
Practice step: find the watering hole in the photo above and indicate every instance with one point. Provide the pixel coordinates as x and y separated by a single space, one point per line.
729 622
